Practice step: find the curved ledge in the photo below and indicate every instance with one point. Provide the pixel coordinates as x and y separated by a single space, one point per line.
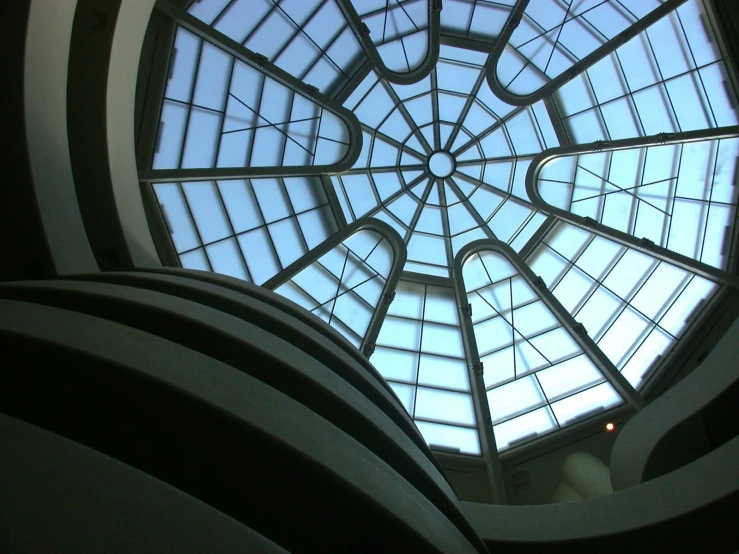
106 505
400 254
659 252
591 59
370 49
264 356
680 512
212 431
244 55
282 324
100 112
45 61
648 446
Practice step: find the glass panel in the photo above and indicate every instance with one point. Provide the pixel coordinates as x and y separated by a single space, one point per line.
671 77
489 144
530 360
553 36
218 112
310 39
646 191
399 29
272 230
481 20
625 299
344 286
233 115
420 344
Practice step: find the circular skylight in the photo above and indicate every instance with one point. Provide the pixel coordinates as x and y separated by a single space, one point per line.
441 164
353 156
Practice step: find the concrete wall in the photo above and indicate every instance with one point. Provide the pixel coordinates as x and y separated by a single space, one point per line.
45 95
47 209
671 431
59 496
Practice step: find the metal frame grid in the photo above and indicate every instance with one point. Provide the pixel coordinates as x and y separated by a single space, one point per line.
635 305
377 302
299 133
579 33
397 25
484 197
654 249
420 353
531 293
390 138
685 178
477 21
310 39
672 77
285 219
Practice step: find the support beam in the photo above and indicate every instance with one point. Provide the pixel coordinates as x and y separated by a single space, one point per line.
559 128
488 447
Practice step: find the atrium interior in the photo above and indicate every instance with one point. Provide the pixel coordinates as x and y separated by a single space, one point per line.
453 275
593 158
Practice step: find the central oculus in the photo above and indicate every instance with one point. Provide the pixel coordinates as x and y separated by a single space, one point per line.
441 164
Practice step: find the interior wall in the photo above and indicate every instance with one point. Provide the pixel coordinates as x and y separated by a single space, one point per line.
133 18
88 502
45 95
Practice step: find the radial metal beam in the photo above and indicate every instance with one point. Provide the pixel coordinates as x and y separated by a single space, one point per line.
559 127
258 62
537 237
369 47
333 202
553 84
659 252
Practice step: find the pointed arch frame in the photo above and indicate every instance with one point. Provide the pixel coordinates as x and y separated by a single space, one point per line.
260 63
514 19
370 49
400 255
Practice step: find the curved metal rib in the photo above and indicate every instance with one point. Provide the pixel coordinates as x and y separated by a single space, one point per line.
415 74
399 259
659 252
596 55
243 54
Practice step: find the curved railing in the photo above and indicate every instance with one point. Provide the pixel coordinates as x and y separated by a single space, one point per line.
673 430
241 336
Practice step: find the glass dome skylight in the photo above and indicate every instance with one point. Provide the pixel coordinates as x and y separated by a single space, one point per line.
516 209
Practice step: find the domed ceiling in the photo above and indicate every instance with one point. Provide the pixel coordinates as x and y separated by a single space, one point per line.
516 209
